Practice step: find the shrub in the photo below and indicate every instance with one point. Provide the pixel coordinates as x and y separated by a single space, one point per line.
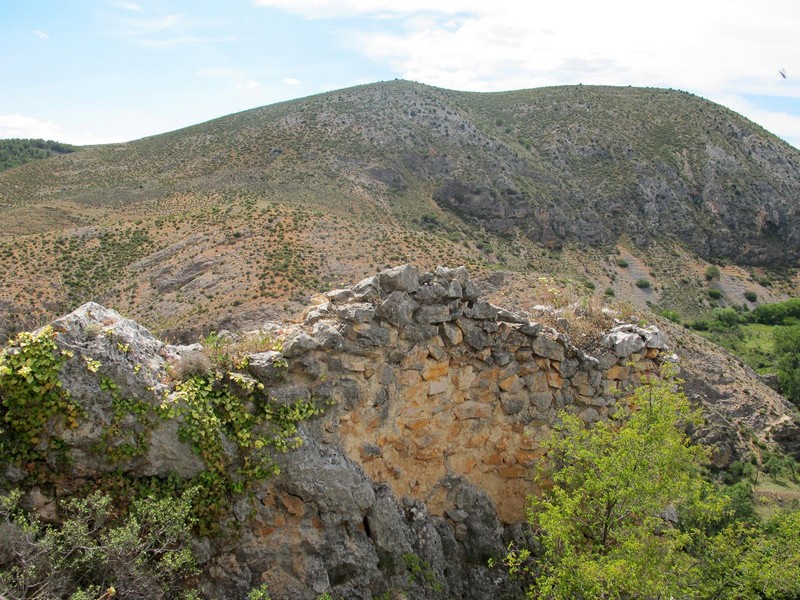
714 294
712 272
787 361
621 262
93 555
728 316
750 296
778 312
642 284
671 315
610 292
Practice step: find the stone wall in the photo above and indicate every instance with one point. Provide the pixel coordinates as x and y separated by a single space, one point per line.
432 382
438 404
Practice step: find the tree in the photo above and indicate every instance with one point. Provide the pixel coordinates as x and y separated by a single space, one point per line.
787 362
629 515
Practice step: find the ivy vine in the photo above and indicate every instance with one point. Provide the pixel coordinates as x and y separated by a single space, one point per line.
31 394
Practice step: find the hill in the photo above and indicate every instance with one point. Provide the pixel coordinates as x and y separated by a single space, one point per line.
243 217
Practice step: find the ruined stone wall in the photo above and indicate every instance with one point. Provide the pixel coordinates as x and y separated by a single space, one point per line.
438 403
430 382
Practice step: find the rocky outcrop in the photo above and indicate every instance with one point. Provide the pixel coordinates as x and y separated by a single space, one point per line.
418 471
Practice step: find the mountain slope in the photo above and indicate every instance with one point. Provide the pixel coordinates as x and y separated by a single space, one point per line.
281 200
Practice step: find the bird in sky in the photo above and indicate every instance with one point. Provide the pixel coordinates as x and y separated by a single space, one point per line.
782 73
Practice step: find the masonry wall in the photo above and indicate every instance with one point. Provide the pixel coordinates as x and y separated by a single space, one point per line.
431 381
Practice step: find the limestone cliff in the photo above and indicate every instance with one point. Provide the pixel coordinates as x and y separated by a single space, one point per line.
413 477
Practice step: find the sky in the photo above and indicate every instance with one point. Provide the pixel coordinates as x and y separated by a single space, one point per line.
100 71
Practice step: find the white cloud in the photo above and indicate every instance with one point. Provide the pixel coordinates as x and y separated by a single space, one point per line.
350 8
40 34
20 126
291 81
249 85
131 6
714 48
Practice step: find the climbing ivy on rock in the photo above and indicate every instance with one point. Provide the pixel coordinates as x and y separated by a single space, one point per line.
31 394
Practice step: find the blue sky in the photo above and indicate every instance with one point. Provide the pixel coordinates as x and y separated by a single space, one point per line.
95 71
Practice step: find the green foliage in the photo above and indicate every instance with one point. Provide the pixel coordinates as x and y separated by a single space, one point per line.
750 296
621 262
712 272
17 151
259 593
714 294
95 555
777 313
609 291
642 284
671 315
787 361
31 393
629 515
421 572
218 406
726 316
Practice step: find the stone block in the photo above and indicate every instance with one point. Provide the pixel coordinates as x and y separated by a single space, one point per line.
472 410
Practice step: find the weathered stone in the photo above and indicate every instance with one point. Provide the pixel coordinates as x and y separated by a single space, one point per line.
511 384
404 278
481 310
433 314
397 309
327 336
298 343
374 335
451 334
589 415
618 372
568 367
512 405
454 290
655 338
437 386
366 290
339 296
548 348
623 343
510 317
537 381
431 293
267 367
471 291
472 410
361 312
531 329
473 335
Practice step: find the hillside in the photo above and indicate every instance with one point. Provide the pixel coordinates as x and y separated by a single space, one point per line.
255 211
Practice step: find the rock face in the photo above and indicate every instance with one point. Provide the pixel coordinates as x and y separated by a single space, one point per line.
417 473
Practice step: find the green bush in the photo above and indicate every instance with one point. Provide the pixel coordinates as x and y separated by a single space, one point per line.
602 529
642 284
714 294
621 262
610 292
93 555
712 272
671 315
750 296
777 313
787 361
